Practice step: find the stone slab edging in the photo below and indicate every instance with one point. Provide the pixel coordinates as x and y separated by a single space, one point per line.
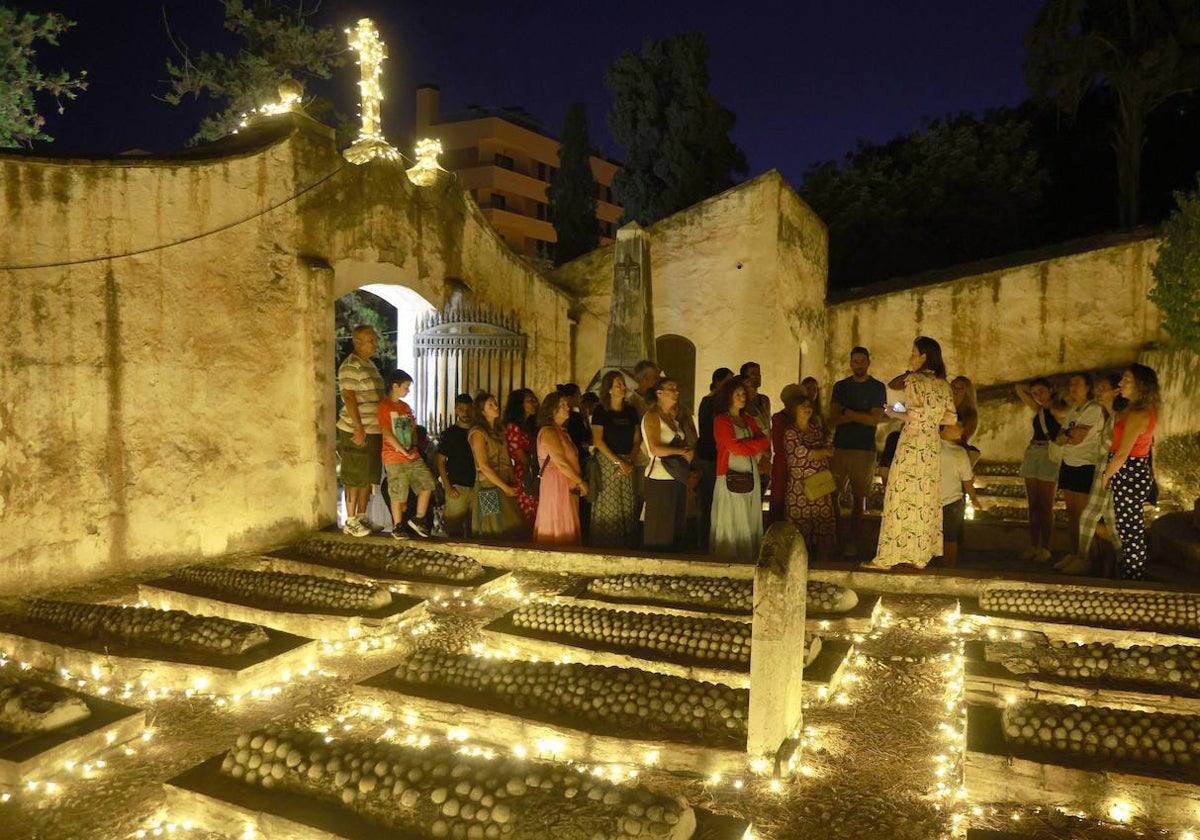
227 807
860 619
969 584
504 730
43 755
297 654
824 672
988 682
495 580
992 776
531 558
312 625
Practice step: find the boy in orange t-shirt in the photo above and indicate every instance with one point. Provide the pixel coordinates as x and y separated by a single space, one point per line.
401 459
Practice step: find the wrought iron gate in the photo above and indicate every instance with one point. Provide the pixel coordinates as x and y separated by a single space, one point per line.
465 348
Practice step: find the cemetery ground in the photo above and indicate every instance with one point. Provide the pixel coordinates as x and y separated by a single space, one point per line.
883 751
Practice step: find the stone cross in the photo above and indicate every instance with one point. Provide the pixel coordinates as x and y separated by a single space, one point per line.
630 321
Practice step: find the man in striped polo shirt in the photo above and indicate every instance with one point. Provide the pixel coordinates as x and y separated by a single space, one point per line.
359 438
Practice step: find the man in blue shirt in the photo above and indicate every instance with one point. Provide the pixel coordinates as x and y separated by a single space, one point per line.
855 409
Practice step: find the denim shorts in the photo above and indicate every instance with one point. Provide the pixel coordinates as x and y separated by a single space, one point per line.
1037 463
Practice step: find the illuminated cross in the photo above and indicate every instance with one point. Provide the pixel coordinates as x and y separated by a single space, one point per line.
371 52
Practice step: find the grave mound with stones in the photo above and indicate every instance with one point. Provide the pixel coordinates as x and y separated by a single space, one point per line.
1087 698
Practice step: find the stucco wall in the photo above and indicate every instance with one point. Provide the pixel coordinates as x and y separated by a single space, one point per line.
741 275
1080 311
166 371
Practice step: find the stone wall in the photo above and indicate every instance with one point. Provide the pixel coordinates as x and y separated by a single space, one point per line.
741 275
1082 307
166 373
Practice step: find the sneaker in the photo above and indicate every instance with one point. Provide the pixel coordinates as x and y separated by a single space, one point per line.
1079 566
1067 560
372 527
418 529
355 528
1028 554
1042 555
398 533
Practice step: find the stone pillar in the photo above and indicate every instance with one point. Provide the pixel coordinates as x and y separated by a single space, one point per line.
777 652
630 321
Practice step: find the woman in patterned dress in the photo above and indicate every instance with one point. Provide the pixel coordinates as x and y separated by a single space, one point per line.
494 512
910 530
616 436
520 427
807 450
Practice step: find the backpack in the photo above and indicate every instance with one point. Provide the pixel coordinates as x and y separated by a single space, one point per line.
531 479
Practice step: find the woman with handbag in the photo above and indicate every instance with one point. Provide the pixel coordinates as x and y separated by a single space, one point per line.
669 470
495 512
520 428
1040 465
810 484
561 482
737 523
616 437
910 529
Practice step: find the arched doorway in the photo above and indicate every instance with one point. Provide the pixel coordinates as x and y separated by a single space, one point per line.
676 356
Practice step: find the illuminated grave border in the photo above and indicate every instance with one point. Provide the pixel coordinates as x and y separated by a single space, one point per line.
125 674
172 593
48 754
995 772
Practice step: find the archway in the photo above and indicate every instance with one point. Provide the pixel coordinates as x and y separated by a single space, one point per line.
676 356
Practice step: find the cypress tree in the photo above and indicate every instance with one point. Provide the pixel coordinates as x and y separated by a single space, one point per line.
572 192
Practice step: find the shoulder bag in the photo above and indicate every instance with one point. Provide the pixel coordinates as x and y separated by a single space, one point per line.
739 482
1054 451
819 484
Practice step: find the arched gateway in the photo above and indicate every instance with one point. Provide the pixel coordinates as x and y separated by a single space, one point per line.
166 379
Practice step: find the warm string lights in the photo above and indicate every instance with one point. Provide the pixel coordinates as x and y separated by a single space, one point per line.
290 94
425 172
365 41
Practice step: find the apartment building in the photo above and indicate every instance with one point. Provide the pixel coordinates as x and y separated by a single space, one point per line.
505 158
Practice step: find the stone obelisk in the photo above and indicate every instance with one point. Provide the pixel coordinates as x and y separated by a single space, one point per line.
630 319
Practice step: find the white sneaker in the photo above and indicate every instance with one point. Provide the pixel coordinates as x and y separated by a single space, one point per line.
1042 555
418 529
355 528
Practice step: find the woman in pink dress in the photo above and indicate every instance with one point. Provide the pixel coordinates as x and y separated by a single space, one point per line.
557 521
520 426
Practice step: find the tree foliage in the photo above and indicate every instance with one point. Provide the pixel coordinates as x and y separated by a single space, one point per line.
1144 51
572 193
674 132
1176 271
22 81
278 41
959 188
356 309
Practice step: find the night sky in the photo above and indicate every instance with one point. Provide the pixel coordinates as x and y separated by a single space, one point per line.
807 79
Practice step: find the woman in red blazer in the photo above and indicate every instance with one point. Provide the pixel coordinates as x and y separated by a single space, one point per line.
737 525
